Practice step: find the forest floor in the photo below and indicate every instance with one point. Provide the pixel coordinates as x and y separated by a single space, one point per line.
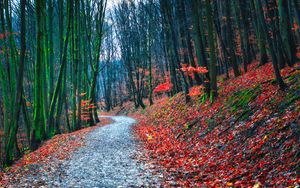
101 156
249 136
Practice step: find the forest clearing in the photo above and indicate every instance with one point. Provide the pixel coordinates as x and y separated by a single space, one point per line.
149 93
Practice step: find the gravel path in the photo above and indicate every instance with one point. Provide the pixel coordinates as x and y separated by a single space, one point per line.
107 160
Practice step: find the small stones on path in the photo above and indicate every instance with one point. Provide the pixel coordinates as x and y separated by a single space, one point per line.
107 160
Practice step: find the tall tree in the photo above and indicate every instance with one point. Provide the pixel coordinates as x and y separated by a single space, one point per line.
39 127
212 55
12 137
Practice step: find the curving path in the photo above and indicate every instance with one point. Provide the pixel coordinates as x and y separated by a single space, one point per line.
107 160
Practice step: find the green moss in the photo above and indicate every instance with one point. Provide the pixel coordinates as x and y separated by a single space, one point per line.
211 124
143 110
246 114
273 82
204 98
240 100
292 95
292 77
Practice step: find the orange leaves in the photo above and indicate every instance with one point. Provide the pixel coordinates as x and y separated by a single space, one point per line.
82 94
91 106
191 71
196 91
295 27
165 87
184 67
86 106
84 102
201 70
229 184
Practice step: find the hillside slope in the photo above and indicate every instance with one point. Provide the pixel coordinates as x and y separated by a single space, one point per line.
249 136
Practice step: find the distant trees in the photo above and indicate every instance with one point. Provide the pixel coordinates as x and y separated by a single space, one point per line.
220 36
49 66
137 34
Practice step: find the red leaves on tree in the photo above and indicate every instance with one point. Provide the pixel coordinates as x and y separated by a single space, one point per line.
201 70
196 91
190 70
165 87
86 106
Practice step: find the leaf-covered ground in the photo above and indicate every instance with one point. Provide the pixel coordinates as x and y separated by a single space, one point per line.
33 168
250 136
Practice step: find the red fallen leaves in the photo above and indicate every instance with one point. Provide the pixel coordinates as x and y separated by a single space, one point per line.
59 147
216 152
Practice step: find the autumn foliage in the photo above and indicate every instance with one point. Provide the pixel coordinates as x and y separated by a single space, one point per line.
86 106
248 137
196 91
164 87
191 69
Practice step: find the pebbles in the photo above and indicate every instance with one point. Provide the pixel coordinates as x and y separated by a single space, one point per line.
106 160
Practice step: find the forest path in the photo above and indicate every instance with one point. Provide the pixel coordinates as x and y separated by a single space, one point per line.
107 160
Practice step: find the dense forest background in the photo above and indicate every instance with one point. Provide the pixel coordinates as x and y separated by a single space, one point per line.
62 61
